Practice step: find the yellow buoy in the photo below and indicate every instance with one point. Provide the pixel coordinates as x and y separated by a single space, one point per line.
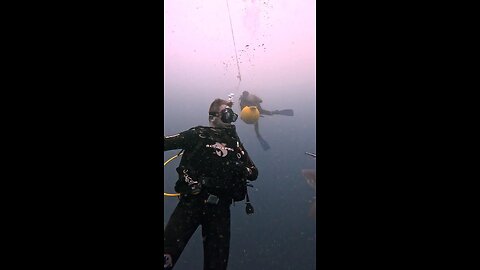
250 114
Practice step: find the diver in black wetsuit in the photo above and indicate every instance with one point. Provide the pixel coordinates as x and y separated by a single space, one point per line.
213 173
247 99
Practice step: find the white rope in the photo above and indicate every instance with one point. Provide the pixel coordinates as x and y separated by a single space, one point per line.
239 76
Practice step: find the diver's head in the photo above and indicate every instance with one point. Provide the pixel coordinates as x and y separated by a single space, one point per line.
245 94
221 114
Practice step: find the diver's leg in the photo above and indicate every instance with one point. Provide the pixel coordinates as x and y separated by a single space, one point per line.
263 143
216 236
257 130
286 112
180 228
264 112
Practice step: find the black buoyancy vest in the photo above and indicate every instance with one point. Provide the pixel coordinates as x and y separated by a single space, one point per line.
215 162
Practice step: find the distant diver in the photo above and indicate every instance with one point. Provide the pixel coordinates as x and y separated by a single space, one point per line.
214 172
251 111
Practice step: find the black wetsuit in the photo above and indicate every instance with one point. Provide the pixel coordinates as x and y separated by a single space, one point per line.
215 159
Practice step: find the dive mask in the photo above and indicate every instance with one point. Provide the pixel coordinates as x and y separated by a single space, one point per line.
226 115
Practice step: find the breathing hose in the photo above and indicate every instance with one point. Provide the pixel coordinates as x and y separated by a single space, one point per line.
164 164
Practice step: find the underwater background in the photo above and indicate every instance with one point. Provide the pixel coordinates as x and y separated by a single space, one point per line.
275 48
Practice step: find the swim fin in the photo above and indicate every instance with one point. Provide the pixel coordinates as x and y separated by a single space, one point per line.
287 112
264 144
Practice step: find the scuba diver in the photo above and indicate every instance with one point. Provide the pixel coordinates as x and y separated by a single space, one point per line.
247 99
213 173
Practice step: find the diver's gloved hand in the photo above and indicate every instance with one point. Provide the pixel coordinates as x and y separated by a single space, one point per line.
194 187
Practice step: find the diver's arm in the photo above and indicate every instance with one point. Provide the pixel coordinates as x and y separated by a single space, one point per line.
263 143
255 99
181 140
263 111
252 171
257 130
242 104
